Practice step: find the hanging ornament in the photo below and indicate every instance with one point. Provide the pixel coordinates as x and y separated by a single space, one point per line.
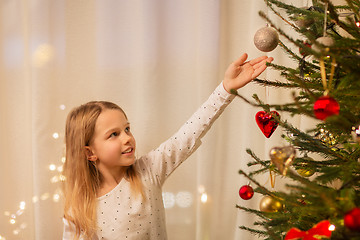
355 133
326 41
326 137
266 122
303 168
321 230
270 204
303 21
266 39
352 220
305 172
326 106
282 158
246 192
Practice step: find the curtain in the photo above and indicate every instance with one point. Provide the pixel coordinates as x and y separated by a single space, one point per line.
159 60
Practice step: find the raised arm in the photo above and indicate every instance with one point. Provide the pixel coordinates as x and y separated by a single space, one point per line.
170 154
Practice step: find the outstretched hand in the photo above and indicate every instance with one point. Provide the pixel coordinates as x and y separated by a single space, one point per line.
240 73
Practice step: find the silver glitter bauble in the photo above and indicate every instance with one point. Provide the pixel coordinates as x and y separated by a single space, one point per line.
303 21
355 133
266 39
326 41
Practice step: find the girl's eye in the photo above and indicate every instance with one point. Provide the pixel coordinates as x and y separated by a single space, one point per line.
127 129
114 134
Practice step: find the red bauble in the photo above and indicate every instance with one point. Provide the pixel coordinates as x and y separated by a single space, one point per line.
352 219
325 107
246 192
266 122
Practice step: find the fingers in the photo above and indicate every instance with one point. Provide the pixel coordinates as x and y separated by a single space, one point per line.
257 60
260 67
240 60
263 62
258 71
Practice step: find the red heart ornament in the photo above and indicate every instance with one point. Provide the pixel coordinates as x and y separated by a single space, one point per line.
266 122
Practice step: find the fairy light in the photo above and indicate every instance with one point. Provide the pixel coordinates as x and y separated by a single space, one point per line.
22 205
55 135
19 212
23 225
332 227
44 196
52 167
62 178
56 197
204 198
12 221
35 199
62 107
54 179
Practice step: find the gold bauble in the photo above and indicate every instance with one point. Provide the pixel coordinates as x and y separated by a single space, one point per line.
270 204
303 168
305 172
326 137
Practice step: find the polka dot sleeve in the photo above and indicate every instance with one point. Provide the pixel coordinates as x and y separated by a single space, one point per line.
170 154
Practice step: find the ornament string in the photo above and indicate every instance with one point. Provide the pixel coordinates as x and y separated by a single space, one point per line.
323 75
325 19
332 72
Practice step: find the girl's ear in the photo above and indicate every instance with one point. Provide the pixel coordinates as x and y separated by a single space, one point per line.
90 154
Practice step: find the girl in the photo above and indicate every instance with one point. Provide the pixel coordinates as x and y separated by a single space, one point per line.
111 195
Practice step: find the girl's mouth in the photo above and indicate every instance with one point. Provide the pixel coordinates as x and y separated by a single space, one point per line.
129 150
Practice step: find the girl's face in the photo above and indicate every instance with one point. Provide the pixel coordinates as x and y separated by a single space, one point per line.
113 145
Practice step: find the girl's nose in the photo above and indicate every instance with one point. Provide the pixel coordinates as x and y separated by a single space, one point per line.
126 138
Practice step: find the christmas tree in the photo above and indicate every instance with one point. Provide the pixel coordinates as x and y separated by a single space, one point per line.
321 199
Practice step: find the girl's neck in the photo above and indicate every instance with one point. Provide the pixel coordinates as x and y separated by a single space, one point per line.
109 180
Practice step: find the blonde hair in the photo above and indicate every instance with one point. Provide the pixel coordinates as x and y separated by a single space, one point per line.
82 179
